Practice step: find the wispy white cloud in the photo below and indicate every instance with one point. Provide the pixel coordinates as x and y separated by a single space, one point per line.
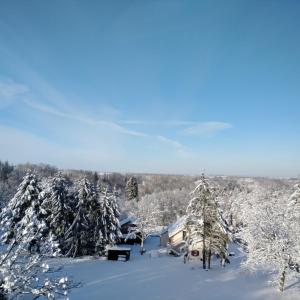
159 123
202 129
170 142
180 149
206 128
19 146
112 125
132 122
82 118
57 105
10 91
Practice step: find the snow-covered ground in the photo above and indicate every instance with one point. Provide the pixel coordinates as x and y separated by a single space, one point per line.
151 277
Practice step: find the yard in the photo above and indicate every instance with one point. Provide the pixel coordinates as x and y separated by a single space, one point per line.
150 277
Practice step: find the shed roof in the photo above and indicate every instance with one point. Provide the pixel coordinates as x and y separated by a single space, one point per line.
130 219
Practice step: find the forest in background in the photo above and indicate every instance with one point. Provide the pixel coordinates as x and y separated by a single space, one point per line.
170 192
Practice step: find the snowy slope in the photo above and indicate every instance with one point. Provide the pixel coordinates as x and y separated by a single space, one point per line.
165 277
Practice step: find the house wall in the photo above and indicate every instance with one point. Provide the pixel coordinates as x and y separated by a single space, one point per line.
177 238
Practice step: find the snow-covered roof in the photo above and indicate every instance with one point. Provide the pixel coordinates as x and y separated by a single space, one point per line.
118 248
130 219
177 226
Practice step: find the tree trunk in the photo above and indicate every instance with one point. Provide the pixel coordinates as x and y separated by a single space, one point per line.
203 241
203 255
231 220
223 258
209 258
142 244
282 281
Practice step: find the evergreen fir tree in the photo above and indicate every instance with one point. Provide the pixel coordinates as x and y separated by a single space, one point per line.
131 189
28 244
79 239
56 208
204 223
109 227
115 229
95 179
23 211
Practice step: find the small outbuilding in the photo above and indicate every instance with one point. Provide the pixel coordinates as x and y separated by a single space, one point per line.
127 225
118 253
177 233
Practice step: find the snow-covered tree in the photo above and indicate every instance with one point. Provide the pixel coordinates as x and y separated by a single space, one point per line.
79 236
21 210
114 204
131 189
109 232
25 243
84 221
95 179
5 193
271 233
204 223
229 199
22 272
56 209
145 215
293 219
166 206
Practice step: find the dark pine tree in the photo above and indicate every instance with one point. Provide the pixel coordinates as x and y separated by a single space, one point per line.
79 236
56 208
131 189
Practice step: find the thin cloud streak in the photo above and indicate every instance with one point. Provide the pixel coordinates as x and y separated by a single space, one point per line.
170 142
83 119
90 121
159 123
18 91
11 89
206 128
202 129
181 150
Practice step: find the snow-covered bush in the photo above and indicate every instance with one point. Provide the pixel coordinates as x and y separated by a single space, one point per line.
25 273
271 234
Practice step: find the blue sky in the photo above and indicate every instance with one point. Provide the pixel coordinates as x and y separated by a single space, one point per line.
152 86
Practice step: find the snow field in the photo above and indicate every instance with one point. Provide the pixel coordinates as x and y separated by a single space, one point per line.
151 277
